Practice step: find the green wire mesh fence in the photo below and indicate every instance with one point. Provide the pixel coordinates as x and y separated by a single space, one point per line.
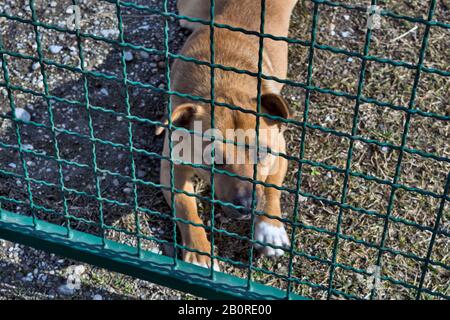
34 225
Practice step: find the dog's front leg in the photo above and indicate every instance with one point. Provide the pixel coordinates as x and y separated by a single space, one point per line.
186 208
270 230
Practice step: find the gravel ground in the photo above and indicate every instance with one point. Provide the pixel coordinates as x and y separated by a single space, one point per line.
31 274
27 273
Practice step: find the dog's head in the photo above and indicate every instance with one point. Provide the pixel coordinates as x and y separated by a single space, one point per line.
234 143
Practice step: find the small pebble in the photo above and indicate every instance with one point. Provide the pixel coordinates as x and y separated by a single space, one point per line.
66 290
28 278
43 277
127 190
27 147
79 270
156 250
302 198
55 49
129 56
144 54
22 114
141 173
97 297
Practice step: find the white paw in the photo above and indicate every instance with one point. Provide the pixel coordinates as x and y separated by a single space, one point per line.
268 233
204 265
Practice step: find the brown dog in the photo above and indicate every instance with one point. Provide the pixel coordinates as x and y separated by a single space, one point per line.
240 51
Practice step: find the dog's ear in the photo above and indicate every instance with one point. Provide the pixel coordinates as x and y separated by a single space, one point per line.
181 117
275 105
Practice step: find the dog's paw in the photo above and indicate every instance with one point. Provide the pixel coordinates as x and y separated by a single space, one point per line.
208 265
271 234
200 260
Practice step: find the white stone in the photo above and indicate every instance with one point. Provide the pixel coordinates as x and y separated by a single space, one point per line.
128 56
144 55
28 278
79 270
27 147
141 173
66 290
22 114
127 190
55 49
97 297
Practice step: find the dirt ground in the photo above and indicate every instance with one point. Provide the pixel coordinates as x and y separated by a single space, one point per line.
30 274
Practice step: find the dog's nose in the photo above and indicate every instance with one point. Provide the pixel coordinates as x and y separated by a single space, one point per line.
244 201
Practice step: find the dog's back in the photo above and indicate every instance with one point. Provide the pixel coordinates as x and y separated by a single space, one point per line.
233 49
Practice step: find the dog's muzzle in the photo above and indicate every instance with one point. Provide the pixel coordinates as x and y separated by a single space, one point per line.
244 202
